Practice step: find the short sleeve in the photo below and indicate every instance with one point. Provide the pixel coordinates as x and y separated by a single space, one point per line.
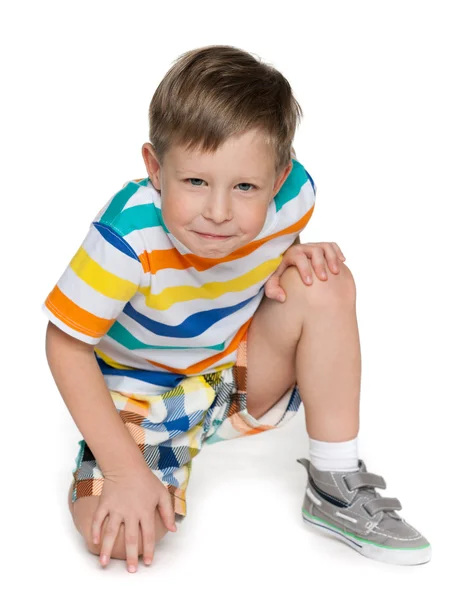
101 278
308 199
313 185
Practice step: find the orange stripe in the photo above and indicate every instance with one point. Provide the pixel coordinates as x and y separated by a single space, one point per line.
76 317
171 259
145 261
204 364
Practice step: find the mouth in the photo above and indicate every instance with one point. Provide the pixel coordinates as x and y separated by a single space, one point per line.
211 236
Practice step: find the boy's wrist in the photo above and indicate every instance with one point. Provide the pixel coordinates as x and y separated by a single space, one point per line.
123 470
130 460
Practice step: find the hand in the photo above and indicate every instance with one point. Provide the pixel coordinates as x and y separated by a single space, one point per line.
298 255
132 498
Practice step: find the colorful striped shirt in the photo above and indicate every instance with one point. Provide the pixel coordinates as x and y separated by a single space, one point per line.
156 313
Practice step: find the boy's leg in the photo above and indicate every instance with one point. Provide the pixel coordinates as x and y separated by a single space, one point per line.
311 339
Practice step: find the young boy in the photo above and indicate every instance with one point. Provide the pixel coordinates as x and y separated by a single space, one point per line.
161 340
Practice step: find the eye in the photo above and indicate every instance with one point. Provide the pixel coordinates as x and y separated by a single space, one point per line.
250 184
194 179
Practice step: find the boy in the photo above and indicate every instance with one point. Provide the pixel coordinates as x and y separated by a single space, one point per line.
162 311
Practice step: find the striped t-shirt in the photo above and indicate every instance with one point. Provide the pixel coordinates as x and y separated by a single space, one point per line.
155 312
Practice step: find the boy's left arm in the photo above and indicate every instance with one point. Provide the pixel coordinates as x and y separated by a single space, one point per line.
301 255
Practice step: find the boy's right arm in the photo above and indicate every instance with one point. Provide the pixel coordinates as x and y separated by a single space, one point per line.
131 492
83 388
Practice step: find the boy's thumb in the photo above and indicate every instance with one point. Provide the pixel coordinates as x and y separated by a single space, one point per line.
272 287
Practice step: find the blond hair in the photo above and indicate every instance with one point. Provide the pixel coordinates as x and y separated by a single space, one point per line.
214 92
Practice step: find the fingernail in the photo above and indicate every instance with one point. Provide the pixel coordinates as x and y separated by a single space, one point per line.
280 298
323 274
308 279
132 569
103 559
147 562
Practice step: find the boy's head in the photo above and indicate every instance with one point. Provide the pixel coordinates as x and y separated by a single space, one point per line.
221 130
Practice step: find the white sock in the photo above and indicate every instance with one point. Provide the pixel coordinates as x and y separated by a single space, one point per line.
334 456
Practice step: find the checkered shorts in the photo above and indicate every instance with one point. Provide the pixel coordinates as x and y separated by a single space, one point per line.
171 428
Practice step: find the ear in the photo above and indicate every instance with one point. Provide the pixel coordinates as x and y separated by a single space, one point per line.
152 165
282 178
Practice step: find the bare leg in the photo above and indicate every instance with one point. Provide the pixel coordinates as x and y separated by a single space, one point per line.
311 338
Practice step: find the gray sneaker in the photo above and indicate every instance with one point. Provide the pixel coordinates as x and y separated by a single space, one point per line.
346 505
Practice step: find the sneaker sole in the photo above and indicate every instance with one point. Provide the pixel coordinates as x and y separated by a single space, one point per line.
395 556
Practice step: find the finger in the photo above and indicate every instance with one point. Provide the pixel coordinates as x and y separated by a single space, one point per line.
331 257
338 251
148 539
111 532
166 511
332 254
97 522
131 536
272 288
318 263
304 268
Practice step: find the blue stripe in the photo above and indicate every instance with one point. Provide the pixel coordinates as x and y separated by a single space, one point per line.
169 380
311 180
191 327
114 238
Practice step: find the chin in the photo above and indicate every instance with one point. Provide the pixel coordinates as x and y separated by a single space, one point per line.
212 253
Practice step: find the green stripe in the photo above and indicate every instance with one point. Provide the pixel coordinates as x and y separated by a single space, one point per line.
134 218
118 202
292 186
127 339
139 217
357 537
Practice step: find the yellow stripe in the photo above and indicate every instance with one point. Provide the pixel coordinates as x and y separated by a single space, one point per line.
224 366
109 361
212 290
100 279
144 290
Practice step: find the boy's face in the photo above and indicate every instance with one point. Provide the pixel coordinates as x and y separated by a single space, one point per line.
216 203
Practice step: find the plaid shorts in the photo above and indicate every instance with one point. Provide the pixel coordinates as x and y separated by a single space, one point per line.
171 428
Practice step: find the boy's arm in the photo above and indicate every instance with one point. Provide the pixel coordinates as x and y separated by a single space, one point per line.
83 388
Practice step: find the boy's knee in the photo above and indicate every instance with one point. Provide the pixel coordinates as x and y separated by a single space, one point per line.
119 548
337 289
83 513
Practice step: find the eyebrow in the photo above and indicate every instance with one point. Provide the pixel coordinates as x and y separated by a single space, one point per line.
248 177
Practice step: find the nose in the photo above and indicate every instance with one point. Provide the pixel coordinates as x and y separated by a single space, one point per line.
218 208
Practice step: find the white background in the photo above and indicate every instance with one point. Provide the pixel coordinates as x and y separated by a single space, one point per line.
372 79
